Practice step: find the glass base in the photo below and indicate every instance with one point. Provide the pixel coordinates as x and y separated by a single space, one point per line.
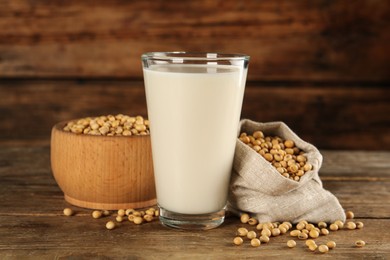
191 221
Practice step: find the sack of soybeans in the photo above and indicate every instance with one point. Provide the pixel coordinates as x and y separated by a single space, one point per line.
275 177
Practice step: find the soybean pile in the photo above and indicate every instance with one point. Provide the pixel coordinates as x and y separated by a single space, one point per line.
284 155
263 233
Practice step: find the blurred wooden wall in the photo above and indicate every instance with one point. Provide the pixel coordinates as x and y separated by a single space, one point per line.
321 66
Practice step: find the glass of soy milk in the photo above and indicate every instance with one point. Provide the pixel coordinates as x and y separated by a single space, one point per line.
194 104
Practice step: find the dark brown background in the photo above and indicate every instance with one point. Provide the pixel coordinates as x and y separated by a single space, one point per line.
321 66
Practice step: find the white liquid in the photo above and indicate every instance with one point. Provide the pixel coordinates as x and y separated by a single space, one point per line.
194 113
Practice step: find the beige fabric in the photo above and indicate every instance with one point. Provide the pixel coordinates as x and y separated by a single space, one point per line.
259 189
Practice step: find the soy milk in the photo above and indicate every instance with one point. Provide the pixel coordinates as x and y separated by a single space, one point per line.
194 113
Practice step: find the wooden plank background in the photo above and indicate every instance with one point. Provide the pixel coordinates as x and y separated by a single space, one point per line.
321 66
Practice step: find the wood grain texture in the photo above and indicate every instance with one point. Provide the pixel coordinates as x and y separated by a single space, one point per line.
329 116
320 66
105 172
32 224
287 40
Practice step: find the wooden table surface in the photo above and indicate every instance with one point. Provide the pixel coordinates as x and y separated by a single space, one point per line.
32 224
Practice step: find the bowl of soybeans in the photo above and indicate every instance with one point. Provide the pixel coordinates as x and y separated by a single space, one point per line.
104 162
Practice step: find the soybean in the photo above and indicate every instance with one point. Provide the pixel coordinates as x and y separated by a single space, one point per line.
314 233
331 244
121 212
339 223
309 227
68 212
283 229
266 232
300 226
322 224
131 218
349 214
334 227
324 231
351 225
288 224
242 232
150 212
291 243
295 233
360 243
264 239
110 225
310 242
129 211
148 218
303 236
359 225
323 248
244 218
305 231
138 220
238 241
313 247
255 242
251 234
252 221
275 232
97 214
259 226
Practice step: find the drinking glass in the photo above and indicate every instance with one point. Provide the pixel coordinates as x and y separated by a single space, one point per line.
194 104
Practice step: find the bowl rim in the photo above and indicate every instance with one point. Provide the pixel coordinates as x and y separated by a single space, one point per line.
60 125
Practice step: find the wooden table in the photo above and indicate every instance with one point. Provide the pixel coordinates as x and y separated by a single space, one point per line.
32 224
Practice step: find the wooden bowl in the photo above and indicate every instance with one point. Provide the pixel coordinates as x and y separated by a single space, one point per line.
103 172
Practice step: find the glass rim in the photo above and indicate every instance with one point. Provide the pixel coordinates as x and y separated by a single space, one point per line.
194 56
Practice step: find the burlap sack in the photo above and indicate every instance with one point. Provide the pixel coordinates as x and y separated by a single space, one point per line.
257 188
